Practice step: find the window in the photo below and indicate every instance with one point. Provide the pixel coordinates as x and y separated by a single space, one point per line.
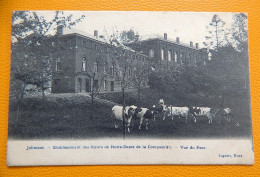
175 57
83 64
169 55
112 85
105 68
209 56
96 46
182 57
105 85
58 64
96 84
56 81
195 60
80 84
129 72
84 43
112 70
162 54
151 53
95 67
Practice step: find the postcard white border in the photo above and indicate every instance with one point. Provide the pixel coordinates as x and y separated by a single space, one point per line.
73 152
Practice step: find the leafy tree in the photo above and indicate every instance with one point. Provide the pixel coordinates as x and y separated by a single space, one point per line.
239 32
129 36
32 43
95 86
123 59
140 78
216 33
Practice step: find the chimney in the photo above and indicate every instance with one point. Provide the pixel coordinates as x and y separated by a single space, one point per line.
191 44
165 36
60 30
178 40
96 33
197 45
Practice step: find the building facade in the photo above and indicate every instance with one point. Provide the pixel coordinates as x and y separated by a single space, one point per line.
82 62
168 53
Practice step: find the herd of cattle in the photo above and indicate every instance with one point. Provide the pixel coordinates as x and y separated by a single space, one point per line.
167 111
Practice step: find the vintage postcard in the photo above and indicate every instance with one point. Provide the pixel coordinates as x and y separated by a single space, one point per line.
94 88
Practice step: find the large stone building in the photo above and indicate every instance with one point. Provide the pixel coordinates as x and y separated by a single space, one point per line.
78 56
168 53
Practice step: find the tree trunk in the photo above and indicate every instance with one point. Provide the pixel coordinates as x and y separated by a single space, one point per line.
123 111
139 97
92 108
43 93
18 106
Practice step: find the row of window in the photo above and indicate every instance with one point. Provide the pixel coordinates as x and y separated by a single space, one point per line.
176 57
97 47
84 66
95 84
105 49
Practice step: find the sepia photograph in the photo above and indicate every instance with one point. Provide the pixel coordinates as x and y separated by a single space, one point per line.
98 81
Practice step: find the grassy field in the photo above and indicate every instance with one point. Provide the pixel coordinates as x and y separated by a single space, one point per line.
68 116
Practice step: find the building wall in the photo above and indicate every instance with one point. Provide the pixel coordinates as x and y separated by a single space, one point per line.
189 56
63 81
74 48
71 50
95 53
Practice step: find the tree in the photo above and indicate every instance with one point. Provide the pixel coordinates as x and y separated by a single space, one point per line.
141 69
217 36
129 36
123 59
32 42
239 32
95 86
141 72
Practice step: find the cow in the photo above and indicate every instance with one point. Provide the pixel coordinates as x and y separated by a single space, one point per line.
180 112
202 111
224 113
128 114
158 109
144 115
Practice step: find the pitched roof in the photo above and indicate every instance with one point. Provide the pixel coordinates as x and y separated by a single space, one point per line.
67 31
160 37
83 33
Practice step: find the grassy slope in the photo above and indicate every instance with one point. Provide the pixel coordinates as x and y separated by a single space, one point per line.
68 115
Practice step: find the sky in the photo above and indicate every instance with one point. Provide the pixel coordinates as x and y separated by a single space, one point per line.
188 26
